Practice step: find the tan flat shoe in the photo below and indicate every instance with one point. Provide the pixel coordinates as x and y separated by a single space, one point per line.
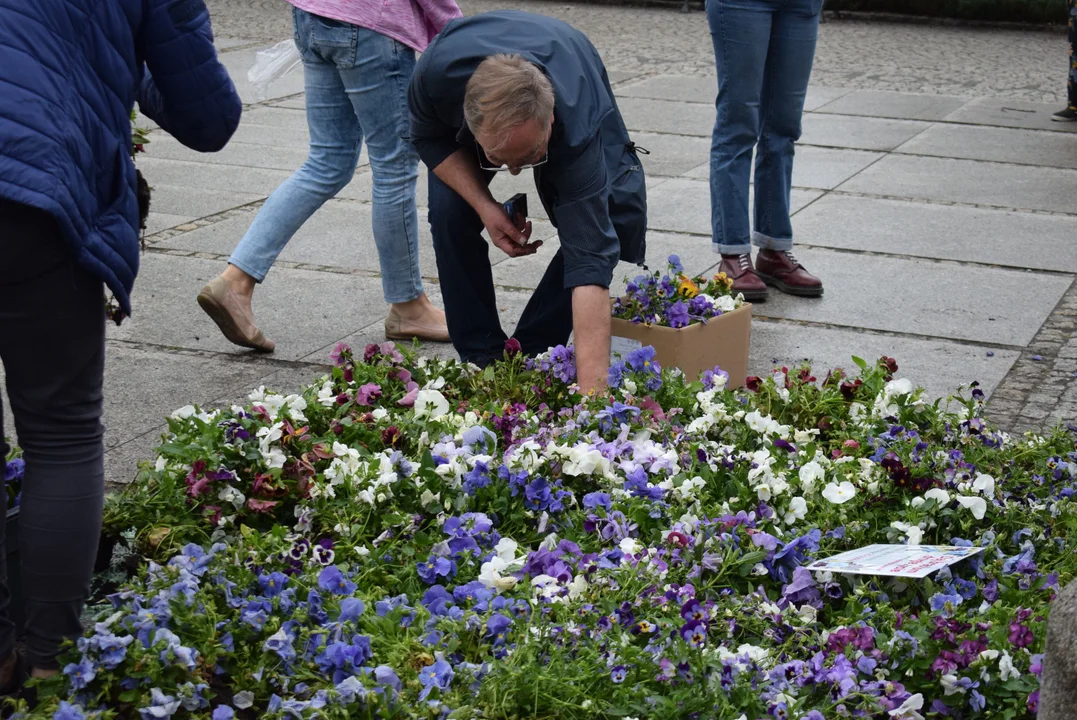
222 305
398 328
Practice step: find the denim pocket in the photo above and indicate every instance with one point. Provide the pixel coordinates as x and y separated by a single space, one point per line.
332 40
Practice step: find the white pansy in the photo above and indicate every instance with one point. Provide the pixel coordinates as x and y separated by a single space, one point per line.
229 494
379 413
1006 668
984 484
899 387
160 464
811 473
326 396
629 546
184 412
909 710
798 508
977 505
629 386
939 495
430 404
839 493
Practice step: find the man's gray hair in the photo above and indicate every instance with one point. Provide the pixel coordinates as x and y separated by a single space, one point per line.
504 92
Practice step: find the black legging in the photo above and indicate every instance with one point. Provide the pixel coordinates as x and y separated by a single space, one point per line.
52 344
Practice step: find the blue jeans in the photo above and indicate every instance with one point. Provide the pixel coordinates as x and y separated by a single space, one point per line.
763 50
356 86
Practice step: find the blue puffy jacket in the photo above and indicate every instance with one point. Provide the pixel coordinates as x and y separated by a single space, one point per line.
70 72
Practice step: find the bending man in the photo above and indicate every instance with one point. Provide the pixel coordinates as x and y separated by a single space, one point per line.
511 91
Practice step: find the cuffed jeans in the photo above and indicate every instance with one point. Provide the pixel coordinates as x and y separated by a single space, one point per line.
52 344
763 50
356 86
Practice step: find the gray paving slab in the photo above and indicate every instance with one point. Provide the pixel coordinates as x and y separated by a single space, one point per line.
510 305
667 116
292 103
156 222
211 177
816 167
922 297
339 235
503 186
903 106
969 181
860 133
1005 112
950 232
189 201
671 154
277 117
703 89
235 153
941 367
620 76
122 462
238 62
143 385
1023 147
683 205
301 310
272 135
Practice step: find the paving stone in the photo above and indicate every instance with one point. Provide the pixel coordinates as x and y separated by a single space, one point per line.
903 106
301 310
619 76
235 153
703 90
969 181
122 462
188 201
1011 113
293 103
664 116
922 297
951 232
143 385
510 305
815 167
672 154
1024 147
272 135
239 62
861 133
277 117
156 222
210 177
683 205
941 367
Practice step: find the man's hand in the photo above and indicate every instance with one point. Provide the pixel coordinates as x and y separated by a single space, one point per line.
505 234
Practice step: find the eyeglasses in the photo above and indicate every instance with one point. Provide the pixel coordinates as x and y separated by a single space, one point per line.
483 164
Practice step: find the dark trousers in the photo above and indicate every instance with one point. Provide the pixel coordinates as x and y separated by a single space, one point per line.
52 344
1072 85
467 286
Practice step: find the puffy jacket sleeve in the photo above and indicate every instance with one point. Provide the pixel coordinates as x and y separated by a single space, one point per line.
186 90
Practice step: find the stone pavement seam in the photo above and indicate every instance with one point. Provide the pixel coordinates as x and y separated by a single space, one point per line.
246 358
1041 387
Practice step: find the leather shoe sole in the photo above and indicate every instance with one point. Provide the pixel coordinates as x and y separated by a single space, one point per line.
789 289
217 312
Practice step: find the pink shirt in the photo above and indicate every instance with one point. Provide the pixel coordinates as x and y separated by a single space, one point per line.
412 22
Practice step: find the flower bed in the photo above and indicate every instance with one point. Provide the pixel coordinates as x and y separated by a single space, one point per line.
420 539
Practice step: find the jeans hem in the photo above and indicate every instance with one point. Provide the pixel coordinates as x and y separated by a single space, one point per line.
258 277
416 296
739 249
765 242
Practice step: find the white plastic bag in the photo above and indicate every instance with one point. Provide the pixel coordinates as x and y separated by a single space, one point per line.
273 63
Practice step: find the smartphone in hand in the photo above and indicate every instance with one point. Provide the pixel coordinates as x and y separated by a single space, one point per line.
516 207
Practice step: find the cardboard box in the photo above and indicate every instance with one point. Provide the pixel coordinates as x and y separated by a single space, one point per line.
722 341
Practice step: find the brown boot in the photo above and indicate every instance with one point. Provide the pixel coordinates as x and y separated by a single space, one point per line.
745 281
782 270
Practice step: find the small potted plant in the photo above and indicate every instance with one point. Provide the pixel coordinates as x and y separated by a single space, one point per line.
693 323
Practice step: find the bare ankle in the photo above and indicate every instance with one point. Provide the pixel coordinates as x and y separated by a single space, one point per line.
239 280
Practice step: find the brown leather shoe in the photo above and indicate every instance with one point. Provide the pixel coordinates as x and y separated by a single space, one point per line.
399 328
222 305
782 270
739 268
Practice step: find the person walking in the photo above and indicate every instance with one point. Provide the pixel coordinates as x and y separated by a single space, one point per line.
511 90
357 61
763 51
1069 113
70 72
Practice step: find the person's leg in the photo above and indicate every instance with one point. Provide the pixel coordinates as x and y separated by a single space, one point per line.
467 282
547 318
740 32
377 86
335 143
785 86
52 309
